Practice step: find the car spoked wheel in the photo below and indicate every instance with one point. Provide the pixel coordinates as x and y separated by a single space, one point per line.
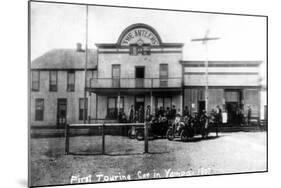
170 135
139 135
131 135
184 136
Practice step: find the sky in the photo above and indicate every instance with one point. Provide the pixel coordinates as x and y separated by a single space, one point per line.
63 25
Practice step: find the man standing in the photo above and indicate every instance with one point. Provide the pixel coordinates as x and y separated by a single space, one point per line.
249 114
218 118
148 113
132 114
141 114
186 111
173 112
168 113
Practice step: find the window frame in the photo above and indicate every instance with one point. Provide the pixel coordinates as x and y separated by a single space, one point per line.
37 81
116 106
146 49
39 116
50 81
68 88
162 98
161 65
115 79
135 49
163 80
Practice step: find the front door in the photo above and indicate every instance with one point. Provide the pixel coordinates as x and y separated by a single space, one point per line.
201 106
61 112
232 103
140 77
232 113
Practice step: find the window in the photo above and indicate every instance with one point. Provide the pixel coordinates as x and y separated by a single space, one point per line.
53 81
81 108
163 75
70 81
112 107
146 49
35 84
143 49
133 49
164 102
232 96
39 109
115 76
201 94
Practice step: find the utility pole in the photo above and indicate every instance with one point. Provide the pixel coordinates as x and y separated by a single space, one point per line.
79 49
204 41
86 67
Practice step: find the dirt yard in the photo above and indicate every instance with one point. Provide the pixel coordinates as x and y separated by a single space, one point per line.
124 159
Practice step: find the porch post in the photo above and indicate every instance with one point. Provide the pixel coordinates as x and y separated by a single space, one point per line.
118 104
90 109
181 97
97 108
151 102
66 135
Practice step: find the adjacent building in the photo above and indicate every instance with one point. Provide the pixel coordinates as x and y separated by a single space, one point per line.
233 85
57 86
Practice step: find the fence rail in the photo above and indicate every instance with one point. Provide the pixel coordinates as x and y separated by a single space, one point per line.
103 125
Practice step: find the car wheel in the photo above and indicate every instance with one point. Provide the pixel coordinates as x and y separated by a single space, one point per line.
170 135
184 135
139 135
130 135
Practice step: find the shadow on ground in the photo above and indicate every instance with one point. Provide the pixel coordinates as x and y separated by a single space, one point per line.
198 139
113 154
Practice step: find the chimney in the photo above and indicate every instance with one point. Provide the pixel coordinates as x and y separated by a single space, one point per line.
79 47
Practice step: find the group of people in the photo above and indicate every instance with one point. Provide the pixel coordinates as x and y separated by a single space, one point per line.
237 117
141 115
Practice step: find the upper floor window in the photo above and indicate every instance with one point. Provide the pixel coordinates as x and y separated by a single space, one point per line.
136 49
133 49
163 75
71 80
39 109
53 85
146 49
35 84
116 71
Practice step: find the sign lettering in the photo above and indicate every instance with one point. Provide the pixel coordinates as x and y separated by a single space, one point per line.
136 34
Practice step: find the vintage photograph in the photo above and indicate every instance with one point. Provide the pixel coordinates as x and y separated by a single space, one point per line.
121 93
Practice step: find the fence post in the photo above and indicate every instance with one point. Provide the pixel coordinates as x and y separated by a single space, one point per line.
66 134
145 138
103 139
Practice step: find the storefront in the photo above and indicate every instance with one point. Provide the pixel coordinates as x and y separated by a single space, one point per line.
233 86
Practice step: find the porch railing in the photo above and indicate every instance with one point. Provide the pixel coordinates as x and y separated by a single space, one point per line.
136 82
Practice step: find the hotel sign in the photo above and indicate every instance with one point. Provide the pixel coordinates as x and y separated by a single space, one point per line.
137 35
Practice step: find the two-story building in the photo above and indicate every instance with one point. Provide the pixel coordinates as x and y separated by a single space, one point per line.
57 87
139 69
